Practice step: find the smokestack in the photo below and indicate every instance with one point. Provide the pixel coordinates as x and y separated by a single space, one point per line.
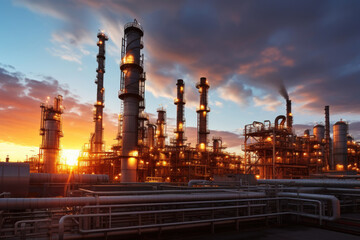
180 121
289 117
132 68
97 139
50 130
161 128
202 111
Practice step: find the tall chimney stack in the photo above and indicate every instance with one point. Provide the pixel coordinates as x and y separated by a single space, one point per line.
180 121
289 116
202 112
96 145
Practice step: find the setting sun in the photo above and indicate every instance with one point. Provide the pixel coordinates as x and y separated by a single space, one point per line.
69 157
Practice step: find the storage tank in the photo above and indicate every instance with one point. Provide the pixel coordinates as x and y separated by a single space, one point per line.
339 144
319 132
14 178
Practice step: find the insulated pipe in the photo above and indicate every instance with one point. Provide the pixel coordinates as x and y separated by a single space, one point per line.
335 203
36 203
193 182
312 182
36 178
283 119
258 123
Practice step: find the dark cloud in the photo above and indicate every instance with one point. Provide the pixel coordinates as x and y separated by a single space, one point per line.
308 46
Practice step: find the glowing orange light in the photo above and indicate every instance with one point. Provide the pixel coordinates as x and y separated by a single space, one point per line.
339 167
134 153
202 107
132 161
257 176
130 59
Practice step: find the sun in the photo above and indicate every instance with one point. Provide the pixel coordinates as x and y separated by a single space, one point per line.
70 157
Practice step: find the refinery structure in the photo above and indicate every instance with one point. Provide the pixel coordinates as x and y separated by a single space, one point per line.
145 185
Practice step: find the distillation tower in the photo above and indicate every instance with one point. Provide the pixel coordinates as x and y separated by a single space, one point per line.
132 68
97 138
202 112
180 120
51 132
161 128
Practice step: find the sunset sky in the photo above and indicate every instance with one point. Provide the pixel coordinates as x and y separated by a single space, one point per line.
247 50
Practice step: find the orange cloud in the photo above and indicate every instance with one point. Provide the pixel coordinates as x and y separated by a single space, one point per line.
20 100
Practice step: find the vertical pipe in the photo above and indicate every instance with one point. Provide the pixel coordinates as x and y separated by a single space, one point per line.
132 68
328 149
180 121
97 144
202 112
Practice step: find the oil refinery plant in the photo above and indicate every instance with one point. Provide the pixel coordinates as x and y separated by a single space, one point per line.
144 185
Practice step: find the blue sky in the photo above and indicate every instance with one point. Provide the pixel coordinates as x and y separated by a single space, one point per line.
246 49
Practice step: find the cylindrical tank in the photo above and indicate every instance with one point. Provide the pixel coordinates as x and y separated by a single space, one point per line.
319 132
14 178
340 146
51 131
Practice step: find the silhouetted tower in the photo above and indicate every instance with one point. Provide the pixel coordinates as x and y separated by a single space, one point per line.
289 116
180 120
132 68
161 128
328 148
97 138
51 132
202 112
